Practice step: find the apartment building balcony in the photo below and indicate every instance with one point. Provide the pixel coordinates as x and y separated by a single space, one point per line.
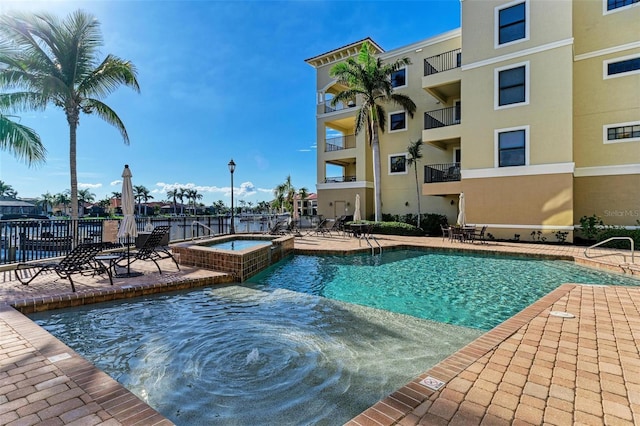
441 127
338 107
442 179
442 75
339 143
339 179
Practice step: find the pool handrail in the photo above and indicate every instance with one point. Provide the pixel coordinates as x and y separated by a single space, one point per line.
586 254
195 222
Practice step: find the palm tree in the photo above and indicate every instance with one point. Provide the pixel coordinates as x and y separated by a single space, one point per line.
415 154
20 141
141 194
56 62
64 199
182 192
173 194
7 190
85 196
370 79
46 201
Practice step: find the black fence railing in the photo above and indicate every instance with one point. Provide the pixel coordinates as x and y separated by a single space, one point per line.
337 179
27 240
338 107
339 143
442 117
446 172
443 62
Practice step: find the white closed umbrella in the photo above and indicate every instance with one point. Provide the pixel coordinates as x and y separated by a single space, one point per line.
356 212
128 225
462 219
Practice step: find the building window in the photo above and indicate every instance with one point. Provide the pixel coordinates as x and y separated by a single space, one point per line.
398 164
622 132
622 66
511 147
397 121
616 4
512 23
399 78
512 85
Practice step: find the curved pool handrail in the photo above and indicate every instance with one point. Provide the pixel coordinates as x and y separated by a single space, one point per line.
586 254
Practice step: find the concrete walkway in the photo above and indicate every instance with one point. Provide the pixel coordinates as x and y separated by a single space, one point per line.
534 368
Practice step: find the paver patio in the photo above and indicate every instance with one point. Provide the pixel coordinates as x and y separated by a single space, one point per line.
534 368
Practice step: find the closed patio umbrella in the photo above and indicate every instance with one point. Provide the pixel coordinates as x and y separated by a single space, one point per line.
462 218
128 225
356 212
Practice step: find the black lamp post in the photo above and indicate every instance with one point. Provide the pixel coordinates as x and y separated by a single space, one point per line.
232 168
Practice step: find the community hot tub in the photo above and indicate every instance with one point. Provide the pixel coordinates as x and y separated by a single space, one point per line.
241 255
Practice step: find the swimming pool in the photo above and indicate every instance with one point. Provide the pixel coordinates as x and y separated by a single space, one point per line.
305 342
234 355
238 244
471 290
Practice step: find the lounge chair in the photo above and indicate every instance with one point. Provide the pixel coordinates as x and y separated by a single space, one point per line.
278 228
81 260
152 249
446 232
321 228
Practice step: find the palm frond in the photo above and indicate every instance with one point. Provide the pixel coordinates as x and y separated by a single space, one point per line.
21 141
107 114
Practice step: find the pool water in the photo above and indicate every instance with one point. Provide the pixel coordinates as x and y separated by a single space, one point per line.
233 355
311 340
470 290
239 244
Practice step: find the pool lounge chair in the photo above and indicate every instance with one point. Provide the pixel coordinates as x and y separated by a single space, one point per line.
152 250
81 260
321 228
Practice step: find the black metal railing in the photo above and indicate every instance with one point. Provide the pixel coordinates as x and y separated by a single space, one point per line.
27 240
339 143
442 117
443 62
337 179
338 107
446 172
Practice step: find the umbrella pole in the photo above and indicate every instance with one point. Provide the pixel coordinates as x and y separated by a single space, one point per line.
128 255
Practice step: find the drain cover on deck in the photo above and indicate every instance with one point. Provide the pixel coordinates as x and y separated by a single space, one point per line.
432 383
561 314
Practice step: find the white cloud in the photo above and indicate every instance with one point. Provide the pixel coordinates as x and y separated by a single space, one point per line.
89 185
116 182
246 189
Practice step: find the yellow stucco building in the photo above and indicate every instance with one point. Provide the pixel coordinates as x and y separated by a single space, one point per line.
531 109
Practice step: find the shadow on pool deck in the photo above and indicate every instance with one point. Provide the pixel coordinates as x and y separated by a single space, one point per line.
533 368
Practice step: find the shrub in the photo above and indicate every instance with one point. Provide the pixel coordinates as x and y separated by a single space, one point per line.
429 222
396 228
615 231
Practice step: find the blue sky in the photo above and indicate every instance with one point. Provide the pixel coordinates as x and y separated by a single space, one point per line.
219 80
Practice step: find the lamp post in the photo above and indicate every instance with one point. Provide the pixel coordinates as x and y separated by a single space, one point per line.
232 168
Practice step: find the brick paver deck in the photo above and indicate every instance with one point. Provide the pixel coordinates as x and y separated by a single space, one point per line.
535 368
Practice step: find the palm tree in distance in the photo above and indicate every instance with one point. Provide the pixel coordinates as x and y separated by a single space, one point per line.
46 200
56 62
141 194
182 192
415 153
85 196
173 194
7 190
369 79
20 141
64 199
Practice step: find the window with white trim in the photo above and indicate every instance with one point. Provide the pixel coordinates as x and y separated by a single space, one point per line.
397 121
398 164
511 23
622 132
512 147
512 85
399 78
619 67
617 4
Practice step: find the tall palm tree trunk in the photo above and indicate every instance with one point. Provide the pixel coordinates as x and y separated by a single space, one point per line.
72 119
375 153
415 169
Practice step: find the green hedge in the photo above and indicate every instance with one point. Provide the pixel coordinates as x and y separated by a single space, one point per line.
429 222
394 228
613 231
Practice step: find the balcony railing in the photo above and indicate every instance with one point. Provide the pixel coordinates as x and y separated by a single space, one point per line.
340 142
443 62
338 179
338 107
442 117
447 172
